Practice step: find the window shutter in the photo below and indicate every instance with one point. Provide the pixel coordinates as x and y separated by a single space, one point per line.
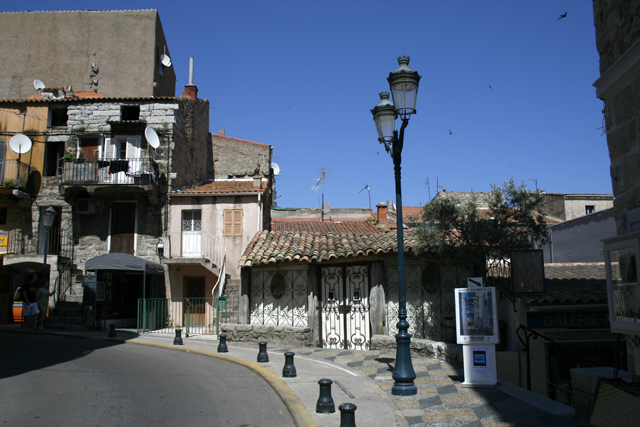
228 223
237 222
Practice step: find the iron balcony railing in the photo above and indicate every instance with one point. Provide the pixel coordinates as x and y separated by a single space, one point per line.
109 171
13 173
16 241
194 244
60 243
195 316
12 242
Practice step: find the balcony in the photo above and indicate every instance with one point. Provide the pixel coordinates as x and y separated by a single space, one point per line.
16 242
13 174
184 247
109 171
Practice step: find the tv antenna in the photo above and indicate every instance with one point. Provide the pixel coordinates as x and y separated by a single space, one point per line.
20 144
164 58
152 137
368 188
276 169
38 84
315 187
535 181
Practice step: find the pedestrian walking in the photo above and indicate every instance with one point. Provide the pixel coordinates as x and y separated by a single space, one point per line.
29 304
42 297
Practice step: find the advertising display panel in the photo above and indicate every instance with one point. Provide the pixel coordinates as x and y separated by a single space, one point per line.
476 315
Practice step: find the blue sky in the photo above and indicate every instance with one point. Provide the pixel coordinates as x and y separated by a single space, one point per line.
510 82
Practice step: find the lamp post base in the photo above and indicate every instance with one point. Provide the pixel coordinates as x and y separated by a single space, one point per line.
403 374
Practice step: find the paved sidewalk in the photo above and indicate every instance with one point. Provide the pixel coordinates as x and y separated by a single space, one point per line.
364 379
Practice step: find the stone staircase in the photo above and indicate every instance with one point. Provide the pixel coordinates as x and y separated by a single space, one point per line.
68 315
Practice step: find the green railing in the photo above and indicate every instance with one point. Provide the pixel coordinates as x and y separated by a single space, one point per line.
196 316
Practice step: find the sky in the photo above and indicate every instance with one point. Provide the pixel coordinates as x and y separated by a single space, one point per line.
506 91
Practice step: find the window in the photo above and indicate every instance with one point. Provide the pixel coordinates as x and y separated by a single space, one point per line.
58 117
233 222
589 209
122 147
130 112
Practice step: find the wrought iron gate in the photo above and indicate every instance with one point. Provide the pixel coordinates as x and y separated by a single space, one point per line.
279 297
345 307
430 297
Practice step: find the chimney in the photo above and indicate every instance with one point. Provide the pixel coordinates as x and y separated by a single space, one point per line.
222 132
257 182
190 90
382 210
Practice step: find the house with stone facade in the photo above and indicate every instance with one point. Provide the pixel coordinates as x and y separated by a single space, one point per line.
109 187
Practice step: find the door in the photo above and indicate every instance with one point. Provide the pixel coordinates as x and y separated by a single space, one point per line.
192 234
123 228
345 307
194 306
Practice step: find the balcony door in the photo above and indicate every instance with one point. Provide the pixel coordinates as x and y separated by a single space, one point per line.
125 150
192 234
3 154
123 228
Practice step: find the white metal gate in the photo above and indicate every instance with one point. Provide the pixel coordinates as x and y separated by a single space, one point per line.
191 234
345 307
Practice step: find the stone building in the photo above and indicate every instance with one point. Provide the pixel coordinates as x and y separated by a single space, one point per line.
618 44
109 185
85 50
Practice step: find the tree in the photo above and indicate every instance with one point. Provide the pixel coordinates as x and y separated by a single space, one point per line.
476 238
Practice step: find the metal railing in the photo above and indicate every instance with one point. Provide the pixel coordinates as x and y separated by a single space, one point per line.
193 315
13 173
194 244
11 242
109 171
60 243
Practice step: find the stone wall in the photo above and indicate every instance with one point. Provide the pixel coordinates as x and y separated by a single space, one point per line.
425 348
236 157
191 150
617 28
280 335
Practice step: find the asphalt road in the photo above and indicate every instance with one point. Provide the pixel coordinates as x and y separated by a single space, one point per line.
58 381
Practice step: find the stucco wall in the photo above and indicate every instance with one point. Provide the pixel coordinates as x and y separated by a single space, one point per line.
63 45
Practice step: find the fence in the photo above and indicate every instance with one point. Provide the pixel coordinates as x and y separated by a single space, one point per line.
196 316
13 173
109 171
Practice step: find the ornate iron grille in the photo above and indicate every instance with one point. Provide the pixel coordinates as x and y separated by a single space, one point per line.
428 301
284 303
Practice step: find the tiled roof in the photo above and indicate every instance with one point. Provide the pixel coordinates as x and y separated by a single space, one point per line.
335 225
89 99
270 247
410 213
570 284
224 187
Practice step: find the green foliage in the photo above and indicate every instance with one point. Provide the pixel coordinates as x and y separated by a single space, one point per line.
473 237
11 184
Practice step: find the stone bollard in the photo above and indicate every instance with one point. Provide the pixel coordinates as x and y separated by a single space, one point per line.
347 415
325 401
262 354
178 339
112 331
289 370
222 347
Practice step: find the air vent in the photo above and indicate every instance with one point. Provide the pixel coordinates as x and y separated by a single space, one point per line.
85 206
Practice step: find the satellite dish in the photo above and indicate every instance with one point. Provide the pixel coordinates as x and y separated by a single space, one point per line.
276 169
152 137
38 84
166 61
20 143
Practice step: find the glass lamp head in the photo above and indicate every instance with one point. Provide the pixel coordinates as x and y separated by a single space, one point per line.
384 114
404 87
48 216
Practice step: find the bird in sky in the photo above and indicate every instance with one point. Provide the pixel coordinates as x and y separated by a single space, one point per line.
562 16
490 87
450 133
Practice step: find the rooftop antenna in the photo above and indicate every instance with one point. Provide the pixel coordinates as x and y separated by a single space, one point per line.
535 181
426 184
315 187
38 84
20 143
367 187
152 138
276 169
164 58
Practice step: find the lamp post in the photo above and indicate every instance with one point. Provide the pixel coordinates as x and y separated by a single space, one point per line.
47 221
403 83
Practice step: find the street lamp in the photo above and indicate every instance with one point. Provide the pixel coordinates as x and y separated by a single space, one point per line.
47 221
404 89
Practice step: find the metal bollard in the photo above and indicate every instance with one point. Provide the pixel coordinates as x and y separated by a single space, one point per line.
289 370
178 339
325 401
222 347
112 331
347 415
262 354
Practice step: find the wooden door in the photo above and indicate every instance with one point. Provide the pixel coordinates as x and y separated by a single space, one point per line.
123 228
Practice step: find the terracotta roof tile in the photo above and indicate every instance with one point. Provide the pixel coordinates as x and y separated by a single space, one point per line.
335 225
224 187
571 283
271 247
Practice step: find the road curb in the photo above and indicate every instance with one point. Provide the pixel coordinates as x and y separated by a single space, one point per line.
296 408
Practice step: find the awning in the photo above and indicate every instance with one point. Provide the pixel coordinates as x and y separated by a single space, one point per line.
123 262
